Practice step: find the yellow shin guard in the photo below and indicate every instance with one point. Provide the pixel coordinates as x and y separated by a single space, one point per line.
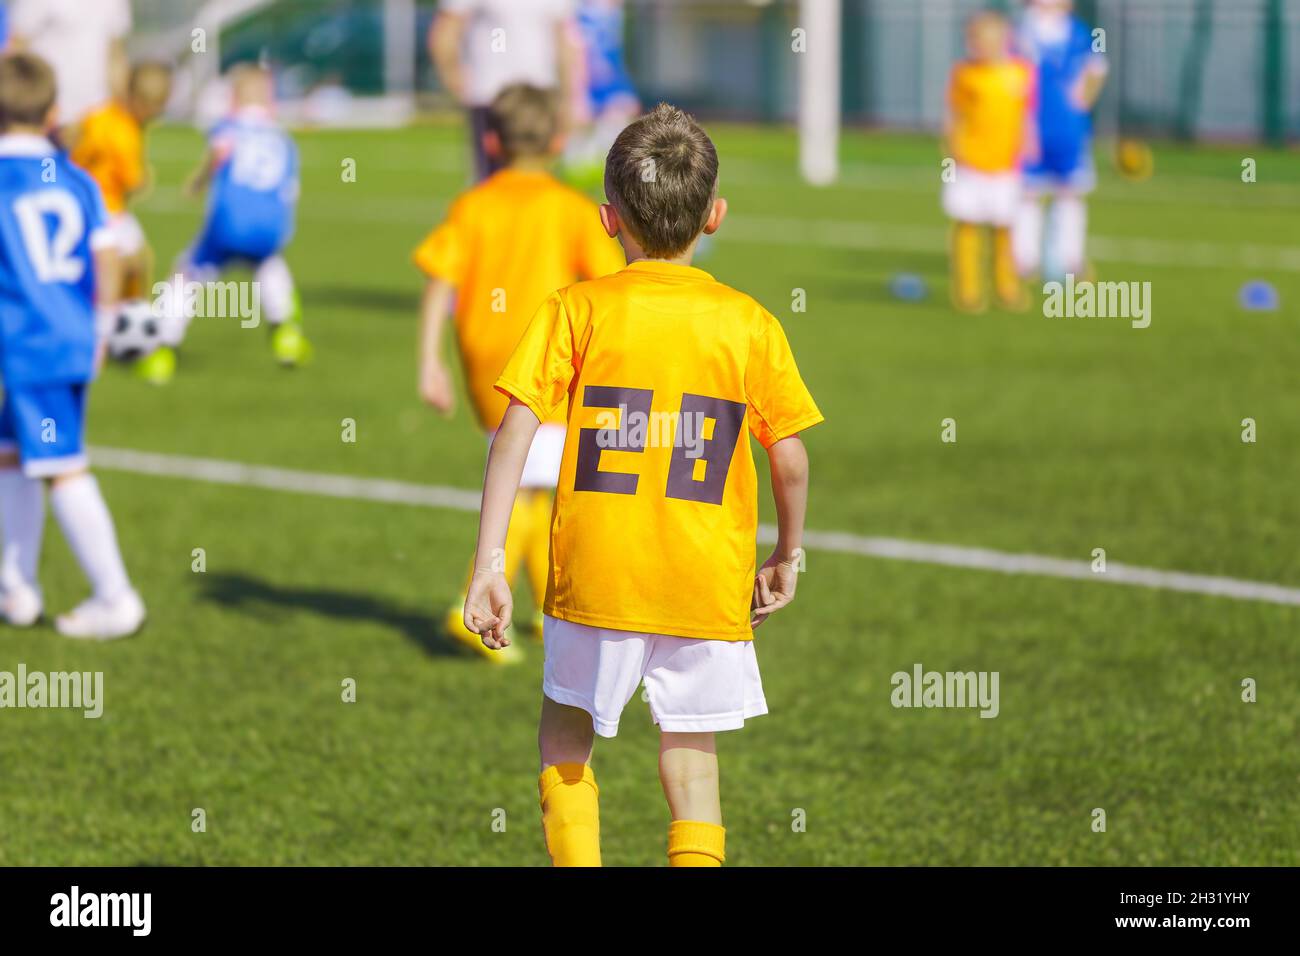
570 814
691 843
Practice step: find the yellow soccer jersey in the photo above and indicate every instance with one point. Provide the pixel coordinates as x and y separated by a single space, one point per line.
110 147
656 512
990 103
507 244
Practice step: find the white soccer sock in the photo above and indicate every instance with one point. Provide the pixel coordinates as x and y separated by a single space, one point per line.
276 284
82 514
175 312
22 522
1070 234
1027 236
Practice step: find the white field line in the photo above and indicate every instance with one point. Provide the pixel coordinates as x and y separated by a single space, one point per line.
839 542
851 234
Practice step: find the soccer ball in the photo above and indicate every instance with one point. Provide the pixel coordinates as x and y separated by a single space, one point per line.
136 331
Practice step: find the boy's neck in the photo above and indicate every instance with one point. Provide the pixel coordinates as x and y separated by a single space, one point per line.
530 164
23 129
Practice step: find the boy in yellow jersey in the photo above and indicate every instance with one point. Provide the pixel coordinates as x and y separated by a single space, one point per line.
652 572
109 144
987 131
507 244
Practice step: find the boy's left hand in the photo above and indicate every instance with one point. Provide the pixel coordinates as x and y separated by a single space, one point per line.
774 587
488 607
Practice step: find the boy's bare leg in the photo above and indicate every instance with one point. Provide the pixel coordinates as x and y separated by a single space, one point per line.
688 770
567 786
564 734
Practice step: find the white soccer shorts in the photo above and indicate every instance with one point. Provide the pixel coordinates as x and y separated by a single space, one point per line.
542 467
126 233
990 199
694 685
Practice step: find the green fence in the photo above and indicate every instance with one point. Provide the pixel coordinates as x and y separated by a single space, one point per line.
1198 69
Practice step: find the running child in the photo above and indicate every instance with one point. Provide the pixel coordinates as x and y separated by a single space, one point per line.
251 174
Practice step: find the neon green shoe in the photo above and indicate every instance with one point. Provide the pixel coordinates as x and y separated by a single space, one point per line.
290 345
158 367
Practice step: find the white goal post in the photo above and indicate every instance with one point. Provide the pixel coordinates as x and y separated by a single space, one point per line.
819 91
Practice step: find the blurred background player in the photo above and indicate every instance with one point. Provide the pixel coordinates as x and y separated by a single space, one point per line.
251 172
55 256
1070 78
83 41
990 96
506 245
606 99
109 144
480 47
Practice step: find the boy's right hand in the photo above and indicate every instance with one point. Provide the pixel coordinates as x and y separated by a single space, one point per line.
488 606
774 587
436 389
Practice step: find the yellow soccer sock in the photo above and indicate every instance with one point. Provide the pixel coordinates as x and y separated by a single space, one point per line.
692 843
570 814
1005 275
968 266
537 550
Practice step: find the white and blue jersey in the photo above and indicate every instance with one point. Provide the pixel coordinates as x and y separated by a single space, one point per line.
601 25
254 192
1061 50
52 217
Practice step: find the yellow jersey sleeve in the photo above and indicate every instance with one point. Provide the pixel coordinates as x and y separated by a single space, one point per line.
443 253
110 148
780 405
541 369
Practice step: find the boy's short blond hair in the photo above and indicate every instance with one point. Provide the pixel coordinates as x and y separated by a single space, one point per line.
251 83
27 90
661 175
525 119
152 80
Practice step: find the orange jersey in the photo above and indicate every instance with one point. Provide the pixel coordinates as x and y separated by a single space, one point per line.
990 104
507 244
662 369
110 146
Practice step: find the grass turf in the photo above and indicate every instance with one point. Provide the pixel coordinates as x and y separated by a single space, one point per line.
1072 435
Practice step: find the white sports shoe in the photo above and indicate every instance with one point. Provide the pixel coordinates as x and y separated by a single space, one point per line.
98 620
21 606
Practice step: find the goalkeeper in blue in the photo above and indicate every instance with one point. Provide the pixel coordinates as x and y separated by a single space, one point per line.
55 254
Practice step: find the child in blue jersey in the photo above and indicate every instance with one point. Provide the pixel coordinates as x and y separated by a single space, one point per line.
1070 78
251 173
610 101
56 254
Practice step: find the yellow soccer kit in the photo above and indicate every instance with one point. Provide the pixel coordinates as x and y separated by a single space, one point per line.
989 104
507 244
662 369
110 147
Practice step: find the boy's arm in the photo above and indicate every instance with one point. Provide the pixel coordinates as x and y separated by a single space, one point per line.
435 382
488 604
200 178
775 583
108 280
444 49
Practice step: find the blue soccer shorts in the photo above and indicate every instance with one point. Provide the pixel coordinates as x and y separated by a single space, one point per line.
46 425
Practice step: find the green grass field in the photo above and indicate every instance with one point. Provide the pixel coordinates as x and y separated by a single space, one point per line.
1072 435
